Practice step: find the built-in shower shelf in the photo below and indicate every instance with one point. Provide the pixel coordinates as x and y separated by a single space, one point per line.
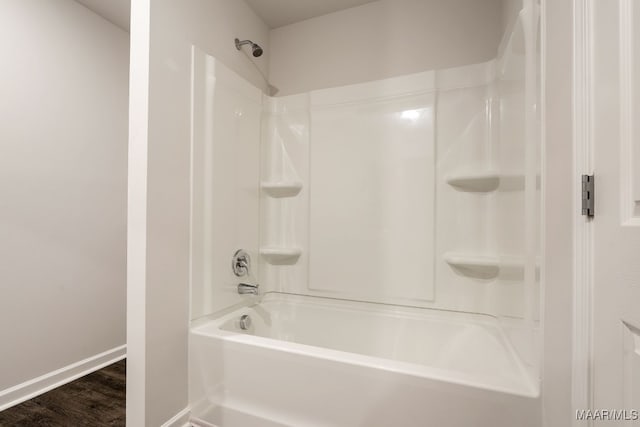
280 256
487 266
280 189
484 182
475 182
482 266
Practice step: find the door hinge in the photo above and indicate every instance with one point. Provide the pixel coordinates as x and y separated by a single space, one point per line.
588 195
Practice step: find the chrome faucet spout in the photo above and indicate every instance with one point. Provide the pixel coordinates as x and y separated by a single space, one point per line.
245 288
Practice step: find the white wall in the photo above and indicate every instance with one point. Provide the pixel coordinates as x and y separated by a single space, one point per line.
63 109
558 212
162 35
383 39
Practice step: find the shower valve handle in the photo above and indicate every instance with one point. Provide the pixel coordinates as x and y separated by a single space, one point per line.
241 263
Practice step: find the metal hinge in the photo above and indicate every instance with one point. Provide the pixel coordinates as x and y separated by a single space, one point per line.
588 195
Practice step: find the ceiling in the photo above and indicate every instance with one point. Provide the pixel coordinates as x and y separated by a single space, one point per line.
276 13
117 12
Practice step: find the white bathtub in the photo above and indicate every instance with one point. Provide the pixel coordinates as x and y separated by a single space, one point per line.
308 361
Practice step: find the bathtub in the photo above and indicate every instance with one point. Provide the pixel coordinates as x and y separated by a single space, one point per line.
309 361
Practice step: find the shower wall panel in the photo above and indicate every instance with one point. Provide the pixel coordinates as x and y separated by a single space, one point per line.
372 181
225 166
374 216
284 200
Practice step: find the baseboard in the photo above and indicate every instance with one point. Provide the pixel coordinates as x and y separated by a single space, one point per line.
181 419
32 388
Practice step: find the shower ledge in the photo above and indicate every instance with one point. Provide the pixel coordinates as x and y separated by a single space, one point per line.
487 266
279 189
485 182
280 255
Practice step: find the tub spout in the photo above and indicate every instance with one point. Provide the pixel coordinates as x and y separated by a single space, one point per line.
245 288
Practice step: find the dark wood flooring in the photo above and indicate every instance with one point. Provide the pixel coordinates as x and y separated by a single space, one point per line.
96 400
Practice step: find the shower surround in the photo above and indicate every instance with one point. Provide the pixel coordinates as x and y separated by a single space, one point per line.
393 230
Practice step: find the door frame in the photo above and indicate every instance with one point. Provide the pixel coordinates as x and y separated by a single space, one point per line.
583 129
582 342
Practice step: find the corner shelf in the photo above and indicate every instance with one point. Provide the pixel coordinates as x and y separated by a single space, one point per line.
280 255
279 189
475 182
485 182
479 266
487 266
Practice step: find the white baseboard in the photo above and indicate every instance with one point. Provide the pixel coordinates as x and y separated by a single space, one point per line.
32 388
181 419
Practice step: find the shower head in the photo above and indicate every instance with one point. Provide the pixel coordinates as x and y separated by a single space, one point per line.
256 50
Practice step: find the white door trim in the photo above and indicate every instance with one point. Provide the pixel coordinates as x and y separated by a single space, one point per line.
582 393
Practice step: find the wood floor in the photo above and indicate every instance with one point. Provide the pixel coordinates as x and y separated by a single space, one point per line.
96 400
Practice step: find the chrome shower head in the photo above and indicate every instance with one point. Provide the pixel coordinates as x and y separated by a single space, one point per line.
256 50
